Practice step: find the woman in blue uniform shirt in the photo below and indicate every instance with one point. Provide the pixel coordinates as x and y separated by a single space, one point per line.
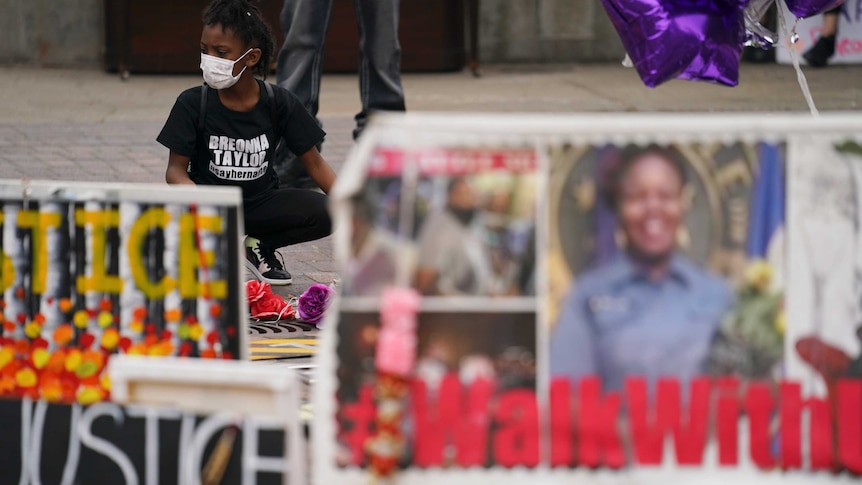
651 312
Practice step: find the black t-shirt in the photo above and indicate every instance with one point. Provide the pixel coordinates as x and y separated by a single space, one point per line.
237 148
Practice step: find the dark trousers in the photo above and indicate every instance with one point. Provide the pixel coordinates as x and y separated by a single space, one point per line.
288 216
300 59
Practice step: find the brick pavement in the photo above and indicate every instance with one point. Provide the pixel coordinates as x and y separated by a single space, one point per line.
88 125
127 152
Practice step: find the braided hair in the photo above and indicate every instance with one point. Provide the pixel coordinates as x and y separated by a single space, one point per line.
247 23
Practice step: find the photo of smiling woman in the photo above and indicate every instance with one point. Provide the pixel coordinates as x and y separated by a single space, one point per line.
649 311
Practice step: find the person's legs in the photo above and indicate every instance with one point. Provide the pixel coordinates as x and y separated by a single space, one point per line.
824 48
299 69
287 216
379 59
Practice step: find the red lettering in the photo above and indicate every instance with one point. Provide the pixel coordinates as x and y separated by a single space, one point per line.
360 415
434 422
758 407
728 421
597 426
849 414
648 434
849 46
444 423
517 440
791 429
561 423
472 439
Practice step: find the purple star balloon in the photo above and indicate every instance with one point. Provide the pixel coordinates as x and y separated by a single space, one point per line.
682 39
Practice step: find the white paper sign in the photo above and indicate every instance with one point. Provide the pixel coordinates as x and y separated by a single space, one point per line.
848 44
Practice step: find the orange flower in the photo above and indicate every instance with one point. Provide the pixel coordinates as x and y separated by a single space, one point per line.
173 315
65 305
50 388
63 334
22 347
57 362
163 348
9 326
136 326
215 310
39 318
208 354
137 349
7 384
105 305
139 314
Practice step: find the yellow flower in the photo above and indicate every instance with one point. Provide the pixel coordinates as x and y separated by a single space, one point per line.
105 319
196 332
26 378
40 358
90 395
758 275
110 338
136 326
105 381
32 329
81 318
6 355
73 360
780 321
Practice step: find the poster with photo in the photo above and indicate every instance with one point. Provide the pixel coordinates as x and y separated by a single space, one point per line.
664 328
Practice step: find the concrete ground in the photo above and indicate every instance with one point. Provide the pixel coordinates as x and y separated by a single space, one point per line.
91 125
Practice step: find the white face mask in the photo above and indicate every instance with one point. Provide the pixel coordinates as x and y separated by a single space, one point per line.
218 72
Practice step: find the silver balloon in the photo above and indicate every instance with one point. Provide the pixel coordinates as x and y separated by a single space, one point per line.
756 35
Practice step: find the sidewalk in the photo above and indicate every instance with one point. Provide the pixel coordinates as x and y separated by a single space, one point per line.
90 125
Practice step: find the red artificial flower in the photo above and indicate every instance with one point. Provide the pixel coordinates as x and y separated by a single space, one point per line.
263 304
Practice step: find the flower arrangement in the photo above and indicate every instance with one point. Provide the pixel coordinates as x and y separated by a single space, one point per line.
751 339
394 360
312 304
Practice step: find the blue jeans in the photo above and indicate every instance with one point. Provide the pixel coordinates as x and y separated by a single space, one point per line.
300 59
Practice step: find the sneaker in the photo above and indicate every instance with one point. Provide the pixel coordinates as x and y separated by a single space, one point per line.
265 263
819 54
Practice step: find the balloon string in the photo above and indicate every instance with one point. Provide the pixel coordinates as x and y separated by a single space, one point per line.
789 38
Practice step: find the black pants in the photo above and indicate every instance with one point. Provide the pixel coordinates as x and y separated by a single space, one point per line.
288 216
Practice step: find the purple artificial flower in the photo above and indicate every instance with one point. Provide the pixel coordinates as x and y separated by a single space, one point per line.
312 304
